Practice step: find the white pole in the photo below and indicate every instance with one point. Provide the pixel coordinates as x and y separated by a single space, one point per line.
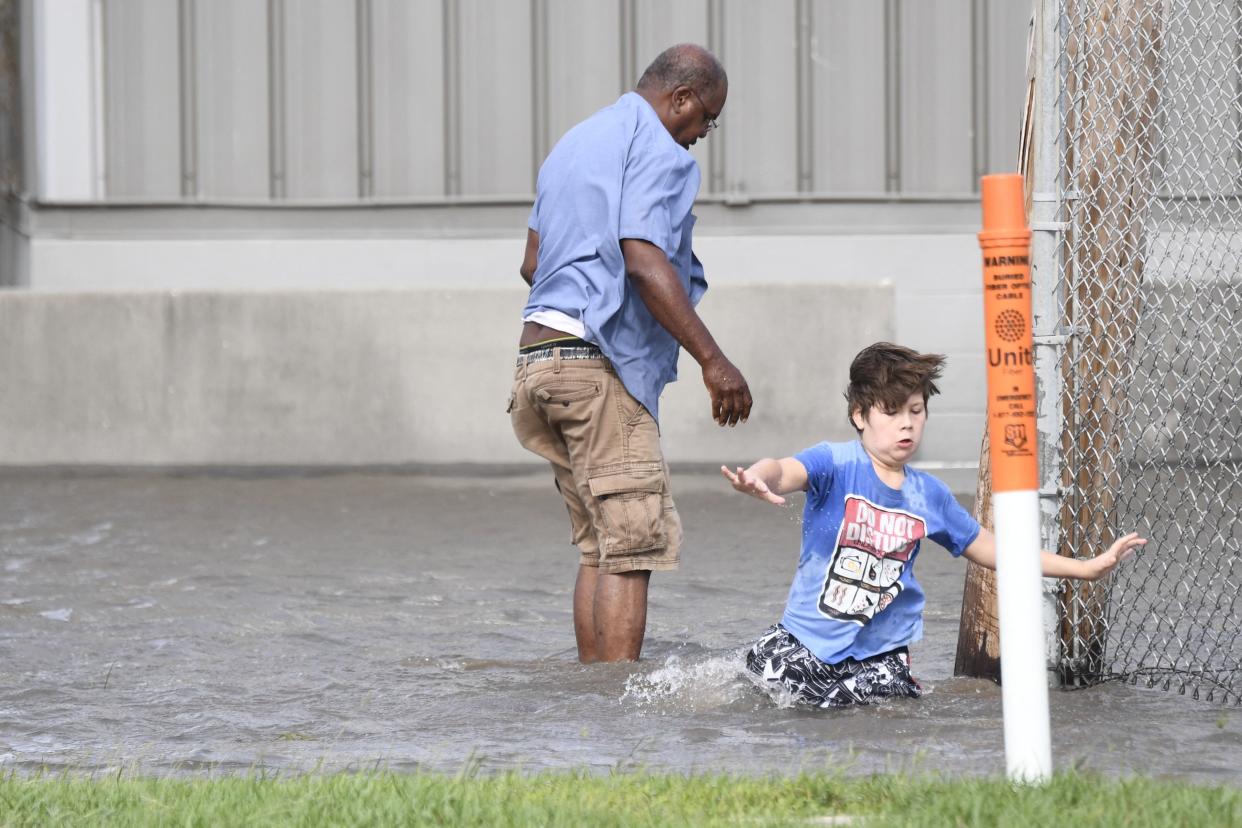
1024 680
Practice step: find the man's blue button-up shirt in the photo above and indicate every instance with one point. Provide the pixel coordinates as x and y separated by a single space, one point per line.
617 175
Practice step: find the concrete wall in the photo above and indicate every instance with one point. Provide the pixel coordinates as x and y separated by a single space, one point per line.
934 303
375 377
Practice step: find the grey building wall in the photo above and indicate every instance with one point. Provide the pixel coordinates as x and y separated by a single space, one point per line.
11 155
354 100
10 99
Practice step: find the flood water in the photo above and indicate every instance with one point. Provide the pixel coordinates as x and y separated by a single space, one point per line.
216 624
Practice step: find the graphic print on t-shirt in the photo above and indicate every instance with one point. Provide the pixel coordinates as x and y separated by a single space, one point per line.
874 546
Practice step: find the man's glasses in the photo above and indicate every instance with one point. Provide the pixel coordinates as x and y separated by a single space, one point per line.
711 122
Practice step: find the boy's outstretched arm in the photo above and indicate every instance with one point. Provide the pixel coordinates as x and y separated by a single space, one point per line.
983 552
768 479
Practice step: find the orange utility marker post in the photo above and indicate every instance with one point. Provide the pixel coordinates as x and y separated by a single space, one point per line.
1006 246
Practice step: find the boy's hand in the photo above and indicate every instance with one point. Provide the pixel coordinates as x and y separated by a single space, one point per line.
751 484
1103 564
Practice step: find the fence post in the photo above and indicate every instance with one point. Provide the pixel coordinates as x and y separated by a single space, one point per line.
1050 336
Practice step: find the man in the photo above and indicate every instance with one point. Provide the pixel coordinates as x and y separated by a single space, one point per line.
614 283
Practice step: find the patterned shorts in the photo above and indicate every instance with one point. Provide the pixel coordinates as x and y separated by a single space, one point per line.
781 663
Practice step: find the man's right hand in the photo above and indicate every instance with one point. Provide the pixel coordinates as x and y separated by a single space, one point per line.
731 400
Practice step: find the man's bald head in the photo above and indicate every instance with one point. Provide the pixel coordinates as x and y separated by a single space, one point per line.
683 65
687 87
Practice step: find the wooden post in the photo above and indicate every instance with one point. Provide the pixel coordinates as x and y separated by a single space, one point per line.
1111 162
978 634
1114 97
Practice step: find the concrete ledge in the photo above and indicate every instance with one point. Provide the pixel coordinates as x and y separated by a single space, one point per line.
385 377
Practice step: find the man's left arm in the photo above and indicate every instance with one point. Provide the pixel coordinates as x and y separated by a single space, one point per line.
531 260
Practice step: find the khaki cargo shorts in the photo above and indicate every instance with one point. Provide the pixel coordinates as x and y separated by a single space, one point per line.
604 448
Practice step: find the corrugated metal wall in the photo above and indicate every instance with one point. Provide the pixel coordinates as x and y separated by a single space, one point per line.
10 101
441 100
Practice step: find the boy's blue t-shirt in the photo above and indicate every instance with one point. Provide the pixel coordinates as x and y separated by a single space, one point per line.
854 594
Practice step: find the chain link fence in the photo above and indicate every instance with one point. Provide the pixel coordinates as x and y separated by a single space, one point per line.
1149 293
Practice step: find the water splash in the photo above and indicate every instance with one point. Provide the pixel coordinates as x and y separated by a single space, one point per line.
775 691
690 685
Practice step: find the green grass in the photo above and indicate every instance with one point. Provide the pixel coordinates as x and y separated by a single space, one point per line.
622 799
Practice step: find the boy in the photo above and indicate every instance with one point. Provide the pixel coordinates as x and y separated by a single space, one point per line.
855 606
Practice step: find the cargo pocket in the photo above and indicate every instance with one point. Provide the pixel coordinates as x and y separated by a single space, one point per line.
631 502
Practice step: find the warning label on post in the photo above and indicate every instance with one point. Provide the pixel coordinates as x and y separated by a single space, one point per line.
1010 364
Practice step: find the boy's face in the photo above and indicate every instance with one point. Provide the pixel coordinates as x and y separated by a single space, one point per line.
893 438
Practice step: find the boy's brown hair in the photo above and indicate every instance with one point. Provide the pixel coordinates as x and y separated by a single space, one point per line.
886 375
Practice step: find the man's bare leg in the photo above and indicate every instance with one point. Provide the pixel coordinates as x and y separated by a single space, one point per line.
584 612
620 615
